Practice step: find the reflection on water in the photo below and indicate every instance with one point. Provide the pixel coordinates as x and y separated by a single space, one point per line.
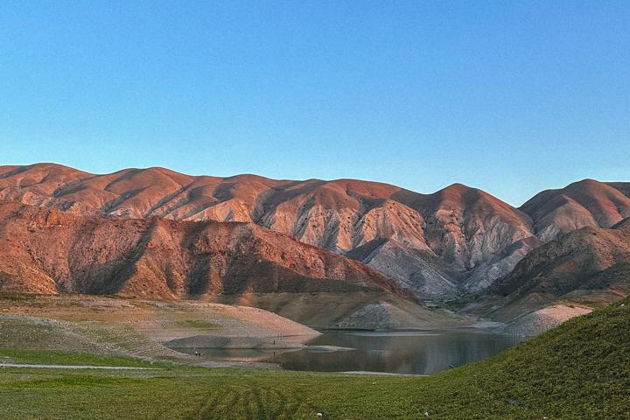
243 355
413 352
398 352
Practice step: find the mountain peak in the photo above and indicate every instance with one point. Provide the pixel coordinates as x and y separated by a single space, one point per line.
439 238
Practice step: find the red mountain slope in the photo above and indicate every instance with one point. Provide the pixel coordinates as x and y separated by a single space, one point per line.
459 238
428 243
584 203
48 251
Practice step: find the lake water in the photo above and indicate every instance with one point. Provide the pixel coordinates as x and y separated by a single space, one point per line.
410 352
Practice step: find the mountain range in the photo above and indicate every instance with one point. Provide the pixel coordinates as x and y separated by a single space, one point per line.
156 232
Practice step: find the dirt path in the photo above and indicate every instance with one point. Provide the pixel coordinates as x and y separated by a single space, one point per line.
28 365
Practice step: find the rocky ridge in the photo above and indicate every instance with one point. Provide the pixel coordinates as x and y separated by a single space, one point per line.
459 239
48 251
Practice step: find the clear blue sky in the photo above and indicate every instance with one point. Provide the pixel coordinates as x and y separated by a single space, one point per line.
512 97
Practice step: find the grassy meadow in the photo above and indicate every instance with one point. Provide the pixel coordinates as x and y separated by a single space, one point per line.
579 370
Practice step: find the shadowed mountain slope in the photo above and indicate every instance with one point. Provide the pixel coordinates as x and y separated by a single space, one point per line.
590 265
427 243
48 251
435 245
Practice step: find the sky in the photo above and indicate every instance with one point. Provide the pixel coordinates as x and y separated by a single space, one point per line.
509 96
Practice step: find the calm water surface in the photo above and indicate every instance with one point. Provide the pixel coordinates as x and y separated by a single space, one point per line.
414 352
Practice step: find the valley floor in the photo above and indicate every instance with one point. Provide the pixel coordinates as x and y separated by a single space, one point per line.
578 370
152 329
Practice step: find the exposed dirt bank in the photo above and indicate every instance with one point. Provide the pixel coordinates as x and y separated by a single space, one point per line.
136 327
537 322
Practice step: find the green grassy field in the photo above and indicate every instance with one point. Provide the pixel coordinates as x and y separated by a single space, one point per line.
579 370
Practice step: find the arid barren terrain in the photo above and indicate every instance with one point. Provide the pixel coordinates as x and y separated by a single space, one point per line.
361 247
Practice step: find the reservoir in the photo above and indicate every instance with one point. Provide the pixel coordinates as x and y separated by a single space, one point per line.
406 352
